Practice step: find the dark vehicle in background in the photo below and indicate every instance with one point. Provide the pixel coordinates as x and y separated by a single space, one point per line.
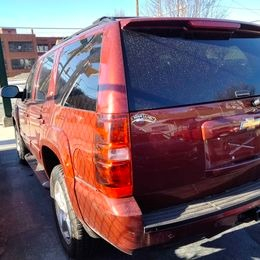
147 130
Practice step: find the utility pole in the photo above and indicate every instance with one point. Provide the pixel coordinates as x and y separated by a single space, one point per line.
160 8
137 7
7 120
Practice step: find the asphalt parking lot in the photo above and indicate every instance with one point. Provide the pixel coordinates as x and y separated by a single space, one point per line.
27 228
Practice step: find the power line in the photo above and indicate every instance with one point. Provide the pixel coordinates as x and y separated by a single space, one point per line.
239 8
254 11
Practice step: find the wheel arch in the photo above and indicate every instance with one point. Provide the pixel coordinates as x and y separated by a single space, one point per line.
50 160
55 149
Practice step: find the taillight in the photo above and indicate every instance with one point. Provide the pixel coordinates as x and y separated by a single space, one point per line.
112 155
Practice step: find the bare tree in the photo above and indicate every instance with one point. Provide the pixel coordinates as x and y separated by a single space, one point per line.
154 7
185 8
119 13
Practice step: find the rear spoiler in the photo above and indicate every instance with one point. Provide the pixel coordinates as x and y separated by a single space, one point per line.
189 24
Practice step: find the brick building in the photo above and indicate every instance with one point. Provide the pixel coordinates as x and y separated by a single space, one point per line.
22 50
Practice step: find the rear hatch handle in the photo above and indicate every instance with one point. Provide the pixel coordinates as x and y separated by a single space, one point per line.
242 93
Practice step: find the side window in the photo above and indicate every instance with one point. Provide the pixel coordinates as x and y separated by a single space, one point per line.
44 77
78 81
29 83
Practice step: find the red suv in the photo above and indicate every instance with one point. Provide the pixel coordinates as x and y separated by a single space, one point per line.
146 130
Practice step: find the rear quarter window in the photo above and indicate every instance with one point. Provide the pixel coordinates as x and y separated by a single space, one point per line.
79 73
171 71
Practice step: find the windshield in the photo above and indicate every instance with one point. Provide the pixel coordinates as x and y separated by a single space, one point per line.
172 71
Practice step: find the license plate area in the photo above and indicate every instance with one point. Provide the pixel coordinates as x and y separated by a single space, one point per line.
226 143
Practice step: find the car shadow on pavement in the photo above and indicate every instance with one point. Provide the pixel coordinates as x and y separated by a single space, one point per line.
7 142
7 155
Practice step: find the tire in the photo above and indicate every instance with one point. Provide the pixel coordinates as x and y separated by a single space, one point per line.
74 239
20 147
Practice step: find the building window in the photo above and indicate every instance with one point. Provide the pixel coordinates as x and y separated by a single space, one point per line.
20 64
20 46
42 48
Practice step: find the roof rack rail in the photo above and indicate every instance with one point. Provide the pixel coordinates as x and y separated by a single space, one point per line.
111 18
104 19
100 20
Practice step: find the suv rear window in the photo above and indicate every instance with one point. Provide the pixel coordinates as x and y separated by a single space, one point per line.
164 71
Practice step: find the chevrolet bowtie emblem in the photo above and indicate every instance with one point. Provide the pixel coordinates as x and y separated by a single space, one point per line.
250 123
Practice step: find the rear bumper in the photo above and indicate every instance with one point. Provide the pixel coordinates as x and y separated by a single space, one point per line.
121 223
205 208
205 226
207 216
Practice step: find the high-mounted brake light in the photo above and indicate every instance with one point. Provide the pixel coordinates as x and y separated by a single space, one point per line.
112 155
214 24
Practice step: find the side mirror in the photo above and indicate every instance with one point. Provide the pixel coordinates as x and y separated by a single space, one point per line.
11 91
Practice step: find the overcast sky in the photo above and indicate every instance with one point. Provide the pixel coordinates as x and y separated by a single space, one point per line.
81 13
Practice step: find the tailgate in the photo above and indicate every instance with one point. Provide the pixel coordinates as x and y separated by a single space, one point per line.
186 153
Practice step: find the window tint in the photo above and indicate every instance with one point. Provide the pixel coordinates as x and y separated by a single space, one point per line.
44 77
29 83
171 71
67 65
79 70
